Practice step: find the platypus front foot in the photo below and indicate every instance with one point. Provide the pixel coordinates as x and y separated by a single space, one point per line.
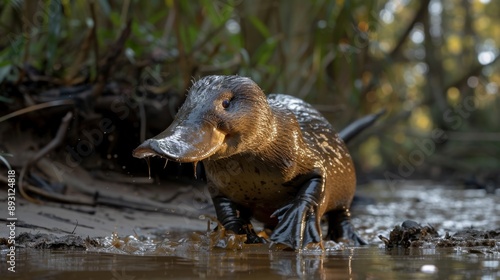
298 225
236 219
299 222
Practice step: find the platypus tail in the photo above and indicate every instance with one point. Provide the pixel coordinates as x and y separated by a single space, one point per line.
356 127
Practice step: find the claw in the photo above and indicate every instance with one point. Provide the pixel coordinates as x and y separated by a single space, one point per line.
281 212
313 234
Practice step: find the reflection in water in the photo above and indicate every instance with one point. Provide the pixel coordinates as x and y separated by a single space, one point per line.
259 263
298 266
182 255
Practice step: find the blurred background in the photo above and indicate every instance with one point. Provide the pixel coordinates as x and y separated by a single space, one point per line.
122 68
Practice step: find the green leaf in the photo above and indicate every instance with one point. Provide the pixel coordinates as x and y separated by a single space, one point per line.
156 17
261 27
265 51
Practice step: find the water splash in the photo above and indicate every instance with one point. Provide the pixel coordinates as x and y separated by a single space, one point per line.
149 167
194 167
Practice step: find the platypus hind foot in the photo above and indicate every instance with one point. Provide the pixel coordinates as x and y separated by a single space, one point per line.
341 229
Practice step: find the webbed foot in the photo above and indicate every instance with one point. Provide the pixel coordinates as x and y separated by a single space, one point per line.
236 219
299 221
298 225
242 227
341 229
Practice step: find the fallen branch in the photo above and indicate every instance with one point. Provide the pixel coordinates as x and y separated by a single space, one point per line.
37 107
61 132
106 193
55 196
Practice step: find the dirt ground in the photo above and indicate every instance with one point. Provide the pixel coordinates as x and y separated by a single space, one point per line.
121 208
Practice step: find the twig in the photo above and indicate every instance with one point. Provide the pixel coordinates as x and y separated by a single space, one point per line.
79 179
113 53
37 107
473 136
93 35
5 161
73 232
81 57
183 62
419 15
55 196
207 39
60 197
61 132
168 26
124 12
424 7
473 71
27 9
234 62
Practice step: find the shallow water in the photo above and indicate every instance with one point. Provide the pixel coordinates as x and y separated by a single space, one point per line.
187 255
351 263
447 208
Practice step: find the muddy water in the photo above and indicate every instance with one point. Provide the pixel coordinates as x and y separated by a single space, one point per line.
186 255
356 263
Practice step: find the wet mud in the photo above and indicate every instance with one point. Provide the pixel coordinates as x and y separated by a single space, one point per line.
412 234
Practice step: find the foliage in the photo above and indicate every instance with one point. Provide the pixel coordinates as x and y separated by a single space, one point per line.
432 64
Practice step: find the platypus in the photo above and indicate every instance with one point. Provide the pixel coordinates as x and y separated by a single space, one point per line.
274 158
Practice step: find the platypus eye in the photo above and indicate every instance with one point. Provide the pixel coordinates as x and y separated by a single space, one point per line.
225 103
